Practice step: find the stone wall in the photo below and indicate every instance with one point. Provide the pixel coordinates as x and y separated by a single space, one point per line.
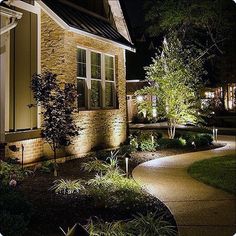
100 128
33 150
104 128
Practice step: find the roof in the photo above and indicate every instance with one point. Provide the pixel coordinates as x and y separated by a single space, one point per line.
133 86
78 18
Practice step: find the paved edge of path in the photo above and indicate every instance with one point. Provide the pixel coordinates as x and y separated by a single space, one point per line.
198 209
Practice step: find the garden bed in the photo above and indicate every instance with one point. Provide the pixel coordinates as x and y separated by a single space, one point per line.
51 211
113 199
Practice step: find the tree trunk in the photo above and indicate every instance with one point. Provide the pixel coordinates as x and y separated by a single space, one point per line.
171 130
55 159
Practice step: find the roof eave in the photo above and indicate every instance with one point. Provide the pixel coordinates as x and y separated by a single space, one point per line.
65 26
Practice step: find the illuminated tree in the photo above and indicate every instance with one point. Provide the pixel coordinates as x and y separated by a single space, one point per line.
58 105
175 79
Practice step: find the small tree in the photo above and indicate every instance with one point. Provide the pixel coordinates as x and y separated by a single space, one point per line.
174 78
58 105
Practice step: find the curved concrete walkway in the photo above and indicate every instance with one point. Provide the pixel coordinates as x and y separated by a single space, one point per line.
199 210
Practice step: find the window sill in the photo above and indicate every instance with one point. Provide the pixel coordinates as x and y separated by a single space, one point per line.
99 109
22 135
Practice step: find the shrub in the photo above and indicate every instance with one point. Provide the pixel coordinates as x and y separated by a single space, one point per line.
15 212
150 224
113 186
157 135
182 141
202 140
94 165
67 186
147 145
133 143
107 228
169 143
11 171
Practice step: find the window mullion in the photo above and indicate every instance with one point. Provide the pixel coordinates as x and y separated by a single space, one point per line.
88 80
114 82
103 79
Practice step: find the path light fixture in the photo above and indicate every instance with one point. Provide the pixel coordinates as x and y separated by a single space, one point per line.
127 166
152 137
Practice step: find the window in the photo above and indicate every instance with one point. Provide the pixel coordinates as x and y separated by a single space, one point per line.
95 80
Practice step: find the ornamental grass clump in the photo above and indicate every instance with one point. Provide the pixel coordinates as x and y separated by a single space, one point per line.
67 186
94 165
148 224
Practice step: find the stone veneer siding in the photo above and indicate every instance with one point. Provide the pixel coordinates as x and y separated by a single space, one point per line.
33 150
100 128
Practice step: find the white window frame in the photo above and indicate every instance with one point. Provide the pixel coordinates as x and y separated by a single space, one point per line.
89 79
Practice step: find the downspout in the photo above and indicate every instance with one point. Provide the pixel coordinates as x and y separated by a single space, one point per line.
13 15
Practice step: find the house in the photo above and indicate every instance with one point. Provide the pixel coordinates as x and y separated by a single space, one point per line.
221 98
83 42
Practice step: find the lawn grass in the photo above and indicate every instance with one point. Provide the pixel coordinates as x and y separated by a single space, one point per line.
219 172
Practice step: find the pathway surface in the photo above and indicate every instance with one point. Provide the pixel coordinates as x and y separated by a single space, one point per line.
199 209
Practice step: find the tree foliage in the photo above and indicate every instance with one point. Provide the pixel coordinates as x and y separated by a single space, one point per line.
175 79
58 106
207 23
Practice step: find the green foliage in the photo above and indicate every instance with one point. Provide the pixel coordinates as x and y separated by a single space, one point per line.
147 145
114 186
15 212
204 22
12 171
94 165
203 140
149 224
133 143
175 79
67 186
58 106
199 140
46 167
102 228
169 143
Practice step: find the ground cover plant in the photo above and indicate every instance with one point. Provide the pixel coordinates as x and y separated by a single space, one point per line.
151 140
219 172
94 192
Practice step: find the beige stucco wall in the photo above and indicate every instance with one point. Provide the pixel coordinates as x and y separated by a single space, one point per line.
100 128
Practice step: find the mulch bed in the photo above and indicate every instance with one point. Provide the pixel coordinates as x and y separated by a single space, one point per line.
52 211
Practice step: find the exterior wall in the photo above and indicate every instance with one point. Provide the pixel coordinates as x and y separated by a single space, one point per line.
33 150
100 128
104 128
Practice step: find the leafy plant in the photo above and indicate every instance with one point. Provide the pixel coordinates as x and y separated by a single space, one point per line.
147 145
12 171
94 165
58 106
102 228
67 186
133 143
150 224
169 143
175 79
